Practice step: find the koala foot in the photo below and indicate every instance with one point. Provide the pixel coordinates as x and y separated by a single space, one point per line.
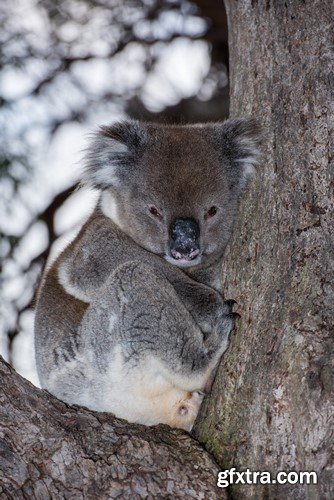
228 318
184 412
228 322
193 400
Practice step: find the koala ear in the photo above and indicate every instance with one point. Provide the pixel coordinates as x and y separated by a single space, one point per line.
240 140
113 154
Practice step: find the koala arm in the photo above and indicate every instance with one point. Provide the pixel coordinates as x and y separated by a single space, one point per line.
87 263
100 248
210 276
153 324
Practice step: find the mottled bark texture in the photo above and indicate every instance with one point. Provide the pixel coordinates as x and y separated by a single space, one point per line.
51 450
272 403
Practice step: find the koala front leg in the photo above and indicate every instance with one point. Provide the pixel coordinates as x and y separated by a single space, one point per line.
210 276
156 324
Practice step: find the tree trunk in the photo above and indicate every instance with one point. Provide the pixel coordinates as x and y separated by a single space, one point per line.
272 404
51 450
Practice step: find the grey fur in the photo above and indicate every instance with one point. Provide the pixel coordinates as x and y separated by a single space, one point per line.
114 298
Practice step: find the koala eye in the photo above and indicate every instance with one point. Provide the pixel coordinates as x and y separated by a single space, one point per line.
211 212
183 410
154 211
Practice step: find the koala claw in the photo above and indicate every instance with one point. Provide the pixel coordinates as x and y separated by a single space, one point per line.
234 317
230 303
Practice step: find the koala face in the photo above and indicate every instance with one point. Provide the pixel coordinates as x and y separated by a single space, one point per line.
174 189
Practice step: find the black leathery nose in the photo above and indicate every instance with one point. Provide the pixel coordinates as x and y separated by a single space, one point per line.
184 235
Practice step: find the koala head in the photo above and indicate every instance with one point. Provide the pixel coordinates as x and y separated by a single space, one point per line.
174 189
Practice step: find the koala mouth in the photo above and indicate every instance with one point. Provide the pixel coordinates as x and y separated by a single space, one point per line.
183 261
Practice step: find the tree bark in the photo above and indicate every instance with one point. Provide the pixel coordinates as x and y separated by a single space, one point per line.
51 450
272 403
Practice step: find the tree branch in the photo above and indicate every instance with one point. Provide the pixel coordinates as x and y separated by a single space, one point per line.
51 450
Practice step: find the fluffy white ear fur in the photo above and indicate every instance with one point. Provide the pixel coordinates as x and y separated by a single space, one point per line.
241 140
112 154
108 154
102 159
250 161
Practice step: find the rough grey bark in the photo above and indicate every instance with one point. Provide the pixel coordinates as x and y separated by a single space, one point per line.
51 450
272 406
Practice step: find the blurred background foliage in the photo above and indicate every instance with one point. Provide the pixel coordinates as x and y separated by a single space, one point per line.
67 66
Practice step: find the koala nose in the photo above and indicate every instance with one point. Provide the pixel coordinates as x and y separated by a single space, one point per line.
184 239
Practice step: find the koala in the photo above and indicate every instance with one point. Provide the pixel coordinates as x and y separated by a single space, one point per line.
130 318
